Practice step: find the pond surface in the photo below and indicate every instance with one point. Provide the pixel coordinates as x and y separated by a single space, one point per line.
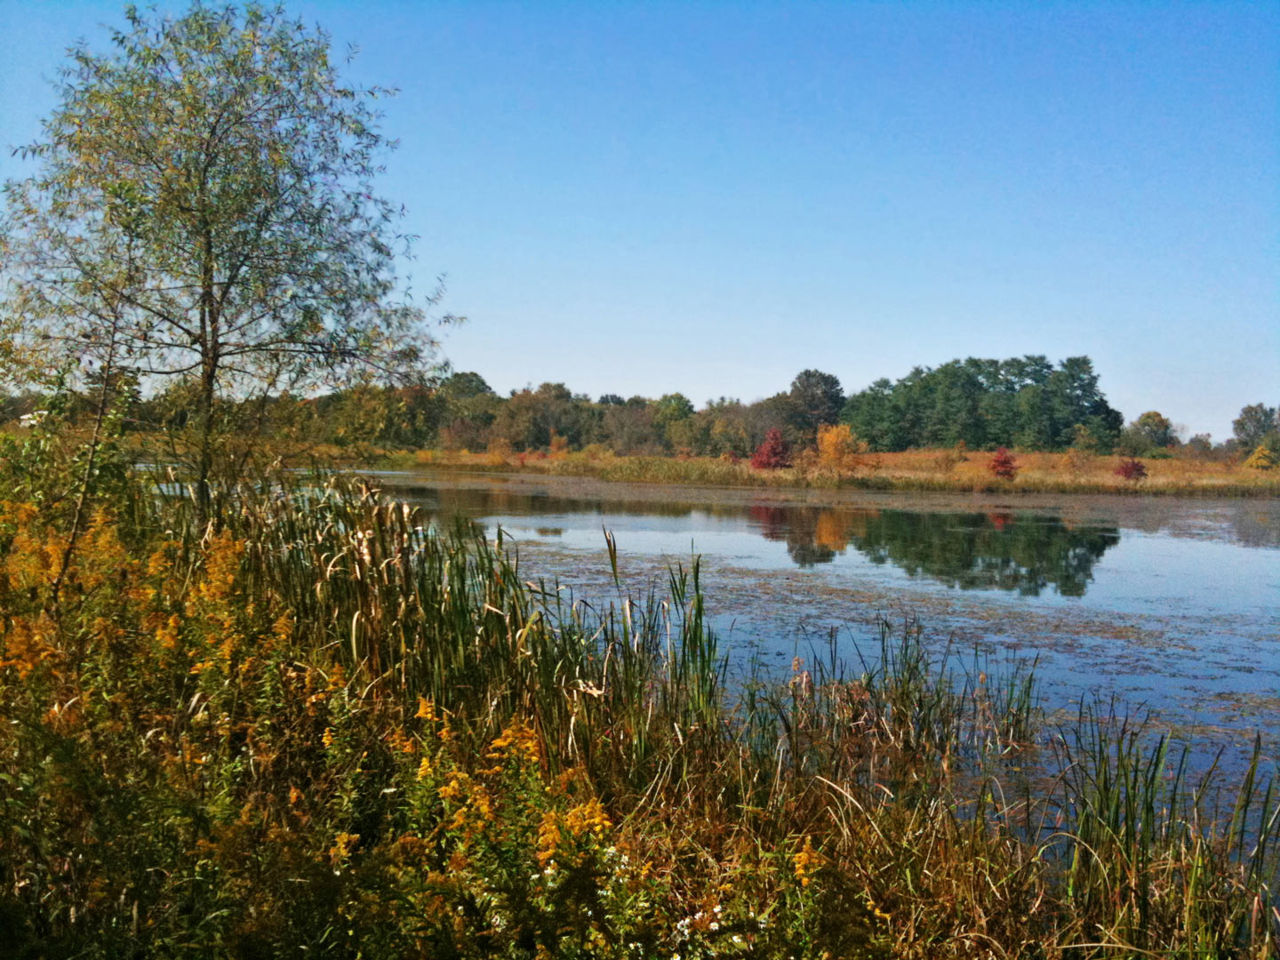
1170 605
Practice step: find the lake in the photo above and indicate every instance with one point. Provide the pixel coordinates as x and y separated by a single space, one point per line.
1168 605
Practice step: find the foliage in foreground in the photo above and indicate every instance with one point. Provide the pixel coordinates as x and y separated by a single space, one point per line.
323 729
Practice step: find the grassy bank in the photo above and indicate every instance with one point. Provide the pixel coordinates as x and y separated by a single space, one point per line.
321 729
928 470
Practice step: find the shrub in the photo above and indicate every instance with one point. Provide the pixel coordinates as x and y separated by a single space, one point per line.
774 453
838 447
1263 458
1132 469
1003 465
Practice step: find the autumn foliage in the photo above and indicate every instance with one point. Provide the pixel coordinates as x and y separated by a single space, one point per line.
1003 465
838 448
774 453
1131 469
1262 458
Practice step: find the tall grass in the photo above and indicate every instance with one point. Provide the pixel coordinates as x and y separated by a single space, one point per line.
913 470
327 728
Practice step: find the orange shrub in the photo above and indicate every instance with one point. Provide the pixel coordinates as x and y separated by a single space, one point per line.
838 447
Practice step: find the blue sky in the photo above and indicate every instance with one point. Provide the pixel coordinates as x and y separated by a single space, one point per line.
644 198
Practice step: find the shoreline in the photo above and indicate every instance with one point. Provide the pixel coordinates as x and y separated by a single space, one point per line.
968 479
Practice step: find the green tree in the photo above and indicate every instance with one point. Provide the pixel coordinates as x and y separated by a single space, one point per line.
204 207
1023 401
672 407
1151 431
874 415
819 398
1256 422
671 413
464 385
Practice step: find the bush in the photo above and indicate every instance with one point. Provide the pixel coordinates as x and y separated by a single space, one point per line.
1003 465
774 453
1132 469
838 447
1263 458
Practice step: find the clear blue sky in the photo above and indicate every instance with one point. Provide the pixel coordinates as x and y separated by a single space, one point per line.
644 198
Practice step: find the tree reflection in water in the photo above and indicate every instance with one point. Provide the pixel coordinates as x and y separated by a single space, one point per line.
972 551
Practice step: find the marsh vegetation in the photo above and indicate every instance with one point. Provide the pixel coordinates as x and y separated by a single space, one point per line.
324 725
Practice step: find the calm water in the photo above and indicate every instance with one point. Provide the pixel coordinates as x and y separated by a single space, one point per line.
1170 605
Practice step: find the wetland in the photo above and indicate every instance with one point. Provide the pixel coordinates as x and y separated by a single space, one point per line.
1169 606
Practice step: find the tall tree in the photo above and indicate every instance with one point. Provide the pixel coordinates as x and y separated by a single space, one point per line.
205 197
819 398
1155 430
1255 423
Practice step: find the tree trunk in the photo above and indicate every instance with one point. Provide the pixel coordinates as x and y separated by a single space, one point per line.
209 349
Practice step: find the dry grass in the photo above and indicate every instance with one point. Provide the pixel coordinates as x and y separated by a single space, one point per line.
941 470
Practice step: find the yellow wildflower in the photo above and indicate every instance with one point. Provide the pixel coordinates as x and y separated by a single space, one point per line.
167 634
548 838
342 845
517 741
806 861
586 818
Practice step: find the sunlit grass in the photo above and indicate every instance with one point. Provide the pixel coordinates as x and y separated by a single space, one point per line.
936 470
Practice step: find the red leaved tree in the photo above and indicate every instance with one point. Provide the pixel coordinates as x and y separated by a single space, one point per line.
1132 469
773 453
1003 465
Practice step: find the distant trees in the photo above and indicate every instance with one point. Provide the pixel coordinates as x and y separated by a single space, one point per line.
1151 432
468 407
673 417
530 419
628 427
1022 401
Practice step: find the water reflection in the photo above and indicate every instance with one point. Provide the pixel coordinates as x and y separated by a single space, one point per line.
971 551
1017 552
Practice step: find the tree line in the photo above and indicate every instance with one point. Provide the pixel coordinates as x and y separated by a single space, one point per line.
1024 402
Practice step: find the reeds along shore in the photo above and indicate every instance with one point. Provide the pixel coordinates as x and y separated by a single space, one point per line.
936 470
318 728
